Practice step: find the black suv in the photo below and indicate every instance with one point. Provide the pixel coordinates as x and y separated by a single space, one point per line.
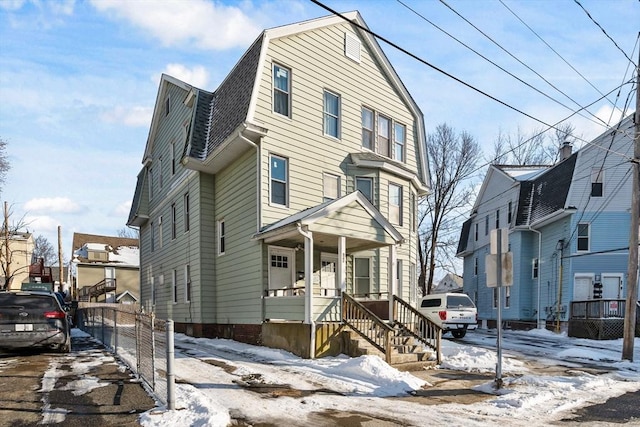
33 319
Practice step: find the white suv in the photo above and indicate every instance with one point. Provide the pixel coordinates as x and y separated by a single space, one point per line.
453 312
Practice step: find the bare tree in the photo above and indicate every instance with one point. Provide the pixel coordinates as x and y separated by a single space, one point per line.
128 233
44 249
540 148
4 162
452 159
9 251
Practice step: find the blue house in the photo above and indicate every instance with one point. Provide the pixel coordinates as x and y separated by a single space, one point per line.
568 229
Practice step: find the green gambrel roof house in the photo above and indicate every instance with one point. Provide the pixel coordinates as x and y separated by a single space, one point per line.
269 205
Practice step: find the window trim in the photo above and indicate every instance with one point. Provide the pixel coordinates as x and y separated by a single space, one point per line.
272 180
326 114
329 178
597 182
186 213
398 206
287 92
402 143
535 268
221 237
370 276
497 218
174 222
152 229
174 286
369 180
587 237
187 283
371 132
389 137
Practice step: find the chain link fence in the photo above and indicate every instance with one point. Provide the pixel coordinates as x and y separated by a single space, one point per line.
139 339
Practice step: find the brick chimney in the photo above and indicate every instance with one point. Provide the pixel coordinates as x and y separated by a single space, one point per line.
565 150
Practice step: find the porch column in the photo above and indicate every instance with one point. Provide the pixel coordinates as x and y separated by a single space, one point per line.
393 273
342 263
308 277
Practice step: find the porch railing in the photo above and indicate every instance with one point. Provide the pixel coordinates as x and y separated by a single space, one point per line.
418 326
366 324
598 309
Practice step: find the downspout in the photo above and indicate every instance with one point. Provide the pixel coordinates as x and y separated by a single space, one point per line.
258 204
258 178
308 284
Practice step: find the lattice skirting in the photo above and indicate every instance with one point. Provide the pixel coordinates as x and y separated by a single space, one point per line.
598 329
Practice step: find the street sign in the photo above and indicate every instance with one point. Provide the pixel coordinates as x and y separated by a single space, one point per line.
491 264
504 240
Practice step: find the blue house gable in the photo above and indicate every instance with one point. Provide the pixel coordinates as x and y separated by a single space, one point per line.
568 228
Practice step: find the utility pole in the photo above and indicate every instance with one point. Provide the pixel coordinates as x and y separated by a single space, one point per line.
632 273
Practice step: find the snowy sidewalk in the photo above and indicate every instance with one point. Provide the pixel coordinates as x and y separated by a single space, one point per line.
223 380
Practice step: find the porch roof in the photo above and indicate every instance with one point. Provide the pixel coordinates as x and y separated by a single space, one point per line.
351 216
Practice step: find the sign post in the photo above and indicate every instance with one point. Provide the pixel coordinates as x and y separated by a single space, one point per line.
499 267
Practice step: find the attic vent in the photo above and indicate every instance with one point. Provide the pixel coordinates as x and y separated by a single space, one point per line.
352 47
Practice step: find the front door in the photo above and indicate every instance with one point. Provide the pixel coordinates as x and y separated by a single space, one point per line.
611 287
328 278
582 289
281 268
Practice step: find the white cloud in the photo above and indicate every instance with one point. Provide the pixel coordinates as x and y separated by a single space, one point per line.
129 116
123 209
197 76
41 224
201 24
52 204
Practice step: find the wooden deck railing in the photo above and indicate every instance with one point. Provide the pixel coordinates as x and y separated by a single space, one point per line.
366 324
417 325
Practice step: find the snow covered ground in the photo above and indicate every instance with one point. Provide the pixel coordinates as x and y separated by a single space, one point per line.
212 375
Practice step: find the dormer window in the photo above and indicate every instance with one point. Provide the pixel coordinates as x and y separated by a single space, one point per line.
94 255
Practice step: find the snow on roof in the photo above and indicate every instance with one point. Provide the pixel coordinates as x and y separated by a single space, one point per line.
523 173
125 255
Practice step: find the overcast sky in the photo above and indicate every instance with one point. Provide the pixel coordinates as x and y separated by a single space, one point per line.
78 80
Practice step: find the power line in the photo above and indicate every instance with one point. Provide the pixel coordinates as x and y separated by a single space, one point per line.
518 60
552 49
428 64
603 30
495 64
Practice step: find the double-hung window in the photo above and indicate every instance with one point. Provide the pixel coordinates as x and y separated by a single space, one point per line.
365 185
384 135
279 180
498 219
395 204
368 141
152 229
331 114
187 283
597 175
174 286
583 237
150 177
221 237
281 90
535 268
399 138
331 184
173 221
187 224
509 213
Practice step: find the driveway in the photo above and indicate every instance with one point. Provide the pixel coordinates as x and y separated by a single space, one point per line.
86 387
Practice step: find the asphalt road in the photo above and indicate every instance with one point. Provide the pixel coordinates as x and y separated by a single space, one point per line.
83 388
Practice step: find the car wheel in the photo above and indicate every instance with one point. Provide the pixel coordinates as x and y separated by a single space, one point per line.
460 333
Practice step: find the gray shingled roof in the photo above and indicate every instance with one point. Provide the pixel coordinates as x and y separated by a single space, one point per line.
545 194
218 114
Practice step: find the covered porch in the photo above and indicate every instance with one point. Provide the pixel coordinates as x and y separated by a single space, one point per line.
307 259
